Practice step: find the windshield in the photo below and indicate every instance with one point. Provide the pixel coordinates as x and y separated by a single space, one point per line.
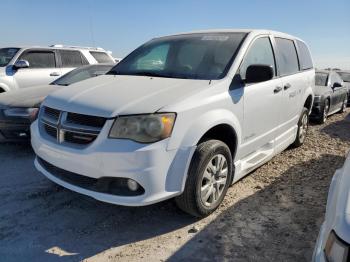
321 79
194 56
82 73
6 55
344 76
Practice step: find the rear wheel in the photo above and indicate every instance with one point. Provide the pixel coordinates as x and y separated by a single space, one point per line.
209 177
303 126
344 105
324 114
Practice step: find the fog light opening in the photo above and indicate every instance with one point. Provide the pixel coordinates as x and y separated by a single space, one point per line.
132 185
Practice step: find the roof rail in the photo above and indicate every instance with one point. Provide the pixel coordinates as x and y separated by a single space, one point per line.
77 47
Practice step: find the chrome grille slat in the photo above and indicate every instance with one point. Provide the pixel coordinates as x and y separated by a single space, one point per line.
73 128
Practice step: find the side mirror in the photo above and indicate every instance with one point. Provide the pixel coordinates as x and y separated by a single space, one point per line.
21 64
336 84
258 73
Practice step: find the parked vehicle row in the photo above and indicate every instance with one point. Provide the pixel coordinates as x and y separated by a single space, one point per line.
22 67
19 108
331 95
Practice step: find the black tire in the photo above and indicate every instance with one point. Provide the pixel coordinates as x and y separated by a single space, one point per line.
324 114
301 134
190 201
344 105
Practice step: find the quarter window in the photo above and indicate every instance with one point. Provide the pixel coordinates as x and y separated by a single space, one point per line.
72 58
40 59
101 57
287 56
261 53
304 56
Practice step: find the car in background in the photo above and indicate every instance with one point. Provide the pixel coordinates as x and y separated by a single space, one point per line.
331 95
22 67
182 116
19 108
333 243
345 75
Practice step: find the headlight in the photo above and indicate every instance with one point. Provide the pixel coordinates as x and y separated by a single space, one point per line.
30 113
336 249
143 128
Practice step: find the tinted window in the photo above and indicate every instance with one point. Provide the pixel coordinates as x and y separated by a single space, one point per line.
345 76
101 57
260 52
40 59
304 56
6 55
189 56
321 79
82 73
72 58
287 56
336 79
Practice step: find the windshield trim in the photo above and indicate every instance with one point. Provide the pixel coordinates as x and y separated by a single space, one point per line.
223 74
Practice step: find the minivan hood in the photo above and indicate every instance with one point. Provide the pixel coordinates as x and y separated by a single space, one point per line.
112 95
26 97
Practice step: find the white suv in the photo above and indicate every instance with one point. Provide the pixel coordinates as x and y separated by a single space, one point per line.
31 66
182 116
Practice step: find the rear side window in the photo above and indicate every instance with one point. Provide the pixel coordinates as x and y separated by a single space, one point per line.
40 59
287 56
101 57
304 56
261 53
321 79
72 58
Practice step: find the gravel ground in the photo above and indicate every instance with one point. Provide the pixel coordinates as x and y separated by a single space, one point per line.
272 215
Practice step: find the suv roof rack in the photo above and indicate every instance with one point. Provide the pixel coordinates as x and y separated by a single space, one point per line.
77 47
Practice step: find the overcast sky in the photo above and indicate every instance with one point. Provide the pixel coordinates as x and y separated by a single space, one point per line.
121 26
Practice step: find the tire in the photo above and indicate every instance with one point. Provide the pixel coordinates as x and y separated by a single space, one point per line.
324 114
344 105
303 125
206 158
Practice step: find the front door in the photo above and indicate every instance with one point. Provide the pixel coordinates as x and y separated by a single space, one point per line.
262 101
42 69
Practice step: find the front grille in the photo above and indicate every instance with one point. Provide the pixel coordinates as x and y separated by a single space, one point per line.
72 128
108 185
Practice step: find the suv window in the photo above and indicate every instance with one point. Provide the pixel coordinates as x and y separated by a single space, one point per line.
72 58
39 59
260 52
287 56
336 79
304 56
345 76
101 57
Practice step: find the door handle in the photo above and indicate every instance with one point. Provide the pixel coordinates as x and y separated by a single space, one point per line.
277 89
55 74
287 86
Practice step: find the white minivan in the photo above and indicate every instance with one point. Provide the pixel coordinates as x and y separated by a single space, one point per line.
183 116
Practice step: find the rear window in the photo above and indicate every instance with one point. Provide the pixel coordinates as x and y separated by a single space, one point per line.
304 56
72 58
321 79
101 57
345 76
40 59
287 56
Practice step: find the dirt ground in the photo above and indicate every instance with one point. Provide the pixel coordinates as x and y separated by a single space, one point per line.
274 214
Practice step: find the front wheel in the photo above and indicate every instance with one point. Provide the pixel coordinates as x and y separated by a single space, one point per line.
303 126
209 177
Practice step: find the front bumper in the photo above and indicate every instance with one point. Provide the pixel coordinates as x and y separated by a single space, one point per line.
161 172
